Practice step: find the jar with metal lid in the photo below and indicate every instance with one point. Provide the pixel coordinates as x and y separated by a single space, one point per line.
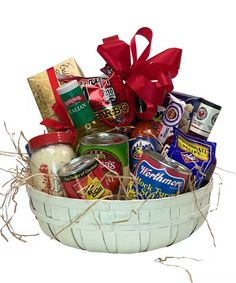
48 153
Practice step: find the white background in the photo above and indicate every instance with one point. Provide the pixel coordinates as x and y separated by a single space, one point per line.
38 34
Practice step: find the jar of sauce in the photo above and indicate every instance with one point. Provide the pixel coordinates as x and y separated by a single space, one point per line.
48 153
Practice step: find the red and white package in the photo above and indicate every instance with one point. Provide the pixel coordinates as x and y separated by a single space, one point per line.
106 96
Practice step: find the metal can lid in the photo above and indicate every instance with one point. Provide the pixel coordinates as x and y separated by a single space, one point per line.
76 165
103 139
49 139
209 103
167 161
176 165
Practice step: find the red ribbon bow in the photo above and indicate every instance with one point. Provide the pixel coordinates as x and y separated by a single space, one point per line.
148 79
59 109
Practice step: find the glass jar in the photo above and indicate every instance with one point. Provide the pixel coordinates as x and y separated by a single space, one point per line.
48 153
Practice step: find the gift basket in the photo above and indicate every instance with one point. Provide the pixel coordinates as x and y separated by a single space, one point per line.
126 165
118 226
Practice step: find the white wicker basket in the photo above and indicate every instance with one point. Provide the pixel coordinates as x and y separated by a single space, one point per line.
121 226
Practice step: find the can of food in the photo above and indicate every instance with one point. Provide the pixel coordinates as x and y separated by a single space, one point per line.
158 176
113 152
83 178
204 118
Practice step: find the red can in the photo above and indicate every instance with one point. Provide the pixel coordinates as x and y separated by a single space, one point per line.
83 178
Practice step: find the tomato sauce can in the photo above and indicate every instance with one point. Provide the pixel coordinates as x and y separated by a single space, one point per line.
112 150
83 178
158 176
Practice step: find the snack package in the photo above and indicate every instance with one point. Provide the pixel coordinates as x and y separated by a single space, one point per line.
41 85
191 102
107 98
196 154
170 119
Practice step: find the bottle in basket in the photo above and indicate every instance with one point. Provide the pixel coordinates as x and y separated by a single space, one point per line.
79 110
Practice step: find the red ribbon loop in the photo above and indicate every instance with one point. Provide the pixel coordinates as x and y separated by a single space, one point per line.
147 33
148 79
64 124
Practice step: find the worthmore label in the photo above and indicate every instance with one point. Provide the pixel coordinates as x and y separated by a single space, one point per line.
154 182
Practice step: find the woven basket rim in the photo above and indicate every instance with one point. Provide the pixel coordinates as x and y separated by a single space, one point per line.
186 195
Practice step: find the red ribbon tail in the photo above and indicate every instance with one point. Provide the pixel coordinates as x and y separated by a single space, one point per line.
53 124
116 53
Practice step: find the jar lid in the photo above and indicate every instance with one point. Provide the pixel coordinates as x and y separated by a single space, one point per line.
67 87
48 139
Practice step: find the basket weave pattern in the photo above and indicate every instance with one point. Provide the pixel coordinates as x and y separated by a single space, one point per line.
121 226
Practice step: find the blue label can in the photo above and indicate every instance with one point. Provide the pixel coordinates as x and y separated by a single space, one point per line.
137 146
157 177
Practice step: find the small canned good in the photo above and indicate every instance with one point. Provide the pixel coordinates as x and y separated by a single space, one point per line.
204 119
158 176
112 150
83 178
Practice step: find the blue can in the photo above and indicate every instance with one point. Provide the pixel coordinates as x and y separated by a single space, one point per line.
137 146
158 176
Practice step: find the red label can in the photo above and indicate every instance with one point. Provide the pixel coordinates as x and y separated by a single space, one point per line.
83 178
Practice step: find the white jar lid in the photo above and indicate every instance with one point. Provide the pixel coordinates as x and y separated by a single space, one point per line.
67 87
